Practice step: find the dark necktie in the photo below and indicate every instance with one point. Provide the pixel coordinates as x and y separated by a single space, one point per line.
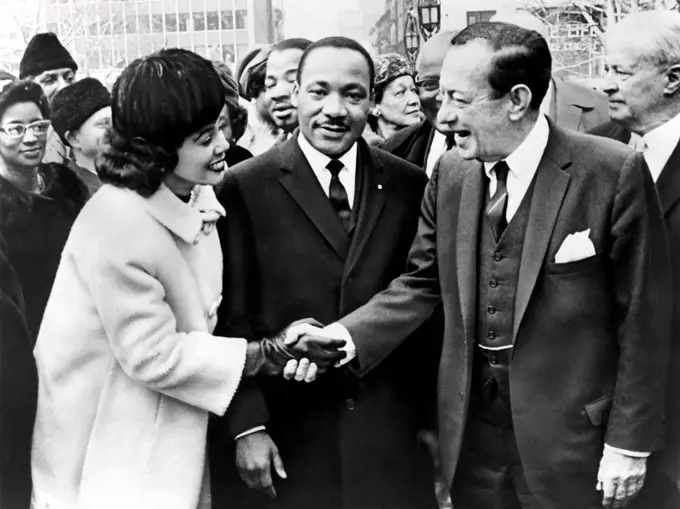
338 195
450 142
498 203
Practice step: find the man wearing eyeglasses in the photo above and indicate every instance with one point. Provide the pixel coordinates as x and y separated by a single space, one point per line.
422 144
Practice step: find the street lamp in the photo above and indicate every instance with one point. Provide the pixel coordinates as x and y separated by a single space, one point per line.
411 37
429 15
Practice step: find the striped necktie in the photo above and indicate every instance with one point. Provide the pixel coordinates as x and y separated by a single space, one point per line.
498 203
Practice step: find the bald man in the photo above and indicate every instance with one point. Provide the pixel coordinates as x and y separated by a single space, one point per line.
569 104
422 144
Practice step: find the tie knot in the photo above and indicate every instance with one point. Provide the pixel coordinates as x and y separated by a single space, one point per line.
501 170
335 166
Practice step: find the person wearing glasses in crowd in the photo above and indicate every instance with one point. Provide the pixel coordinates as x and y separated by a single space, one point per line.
127 364
48 63
38 201
81 116
396 99
423 143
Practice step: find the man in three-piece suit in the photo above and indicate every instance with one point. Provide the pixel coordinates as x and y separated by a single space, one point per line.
316 227
643 85
548 252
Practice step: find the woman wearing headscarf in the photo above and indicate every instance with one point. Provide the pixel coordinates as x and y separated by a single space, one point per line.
128 367
396 98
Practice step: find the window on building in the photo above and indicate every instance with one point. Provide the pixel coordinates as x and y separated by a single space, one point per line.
93 29
184 21
213 21
479 16
199 21
227 20
53 27
171 22
157 23
131 25
241 18
143 23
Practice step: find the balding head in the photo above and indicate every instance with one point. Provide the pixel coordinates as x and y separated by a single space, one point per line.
523 19
428 71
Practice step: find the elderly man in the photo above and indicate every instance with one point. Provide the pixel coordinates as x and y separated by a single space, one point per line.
643 85
422 144
569 104
47 62
548 252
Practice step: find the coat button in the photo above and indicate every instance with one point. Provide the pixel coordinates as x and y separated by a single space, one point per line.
498 257
491 335
493 283
493 360
491 310
351 404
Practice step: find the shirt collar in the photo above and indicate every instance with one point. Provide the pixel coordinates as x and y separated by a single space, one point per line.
184 220
318 161
527 156
660 143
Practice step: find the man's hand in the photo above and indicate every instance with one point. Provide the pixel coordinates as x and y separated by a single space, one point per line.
317 347
620 478
255 455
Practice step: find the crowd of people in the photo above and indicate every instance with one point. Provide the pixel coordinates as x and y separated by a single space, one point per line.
329 280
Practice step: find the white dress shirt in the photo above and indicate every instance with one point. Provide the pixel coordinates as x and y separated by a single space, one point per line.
319 161
659 145
547 103
437 149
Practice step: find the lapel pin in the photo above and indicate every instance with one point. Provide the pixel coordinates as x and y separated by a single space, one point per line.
380 187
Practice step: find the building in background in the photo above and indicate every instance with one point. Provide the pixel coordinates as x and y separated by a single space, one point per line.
106 35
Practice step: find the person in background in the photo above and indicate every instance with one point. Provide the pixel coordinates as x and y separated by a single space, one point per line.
643 86
423 143
261 132
38 201
567 102
281 71
238 116
128 366
47 62
81 116
397 104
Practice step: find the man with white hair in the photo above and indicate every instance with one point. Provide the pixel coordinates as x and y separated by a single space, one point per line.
569 104
643 86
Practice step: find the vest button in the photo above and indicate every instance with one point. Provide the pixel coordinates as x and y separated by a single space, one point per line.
493 283
498 257
491 310
493 360
491 335
351 404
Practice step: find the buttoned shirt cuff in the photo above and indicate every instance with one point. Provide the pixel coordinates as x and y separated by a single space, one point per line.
632 454
339 331
250 432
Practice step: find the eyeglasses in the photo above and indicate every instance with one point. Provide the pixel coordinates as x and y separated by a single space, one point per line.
428 84
17 131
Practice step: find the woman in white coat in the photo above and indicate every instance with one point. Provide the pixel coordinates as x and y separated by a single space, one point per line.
128 368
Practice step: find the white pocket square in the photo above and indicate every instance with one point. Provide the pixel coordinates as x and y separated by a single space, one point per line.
577 246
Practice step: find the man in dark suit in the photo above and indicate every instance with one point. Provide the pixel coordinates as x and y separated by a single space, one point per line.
643 85
421 144
548 252
316 227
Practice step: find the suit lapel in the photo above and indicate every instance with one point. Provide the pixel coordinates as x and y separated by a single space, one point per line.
668 183
298 178
549 191
466 241
373 190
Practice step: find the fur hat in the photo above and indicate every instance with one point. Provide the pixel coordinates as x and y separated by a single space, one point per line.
73 105
44 53
389 67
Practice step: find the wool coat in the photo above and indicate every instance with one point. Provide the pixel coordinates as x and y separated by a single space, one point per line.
128 368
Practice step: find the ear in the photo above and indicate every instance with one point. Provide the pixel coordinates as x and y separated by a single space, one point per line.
72 138
520 98
672 80
294 97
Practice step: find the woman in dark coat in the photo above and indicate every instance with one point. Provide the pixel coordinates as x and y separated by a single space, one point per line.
38 202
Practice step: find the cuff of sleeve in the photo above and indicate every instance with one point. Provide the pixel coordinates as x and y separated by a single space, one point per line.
339 331
632 454
250 432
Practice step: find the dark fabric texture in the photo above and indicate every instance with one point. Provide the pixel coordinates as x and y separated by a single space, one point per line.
612 130
411 143
345 442
35 229
90 180
591 336
43 53
72 106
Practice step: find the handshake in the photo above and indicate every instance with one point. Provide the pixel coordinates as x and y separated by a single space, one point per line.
300 348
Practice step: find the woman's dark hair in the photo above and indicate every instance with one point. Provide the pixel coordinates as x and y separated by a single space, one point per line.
23 91
157 102
238 115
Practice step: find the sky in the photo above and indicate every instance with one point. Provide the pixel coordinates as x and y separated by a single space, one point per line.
313 19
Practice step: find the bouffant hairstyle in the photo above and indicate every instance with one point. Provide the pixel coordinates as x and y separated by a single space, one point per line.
23 91
238 115
157 102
